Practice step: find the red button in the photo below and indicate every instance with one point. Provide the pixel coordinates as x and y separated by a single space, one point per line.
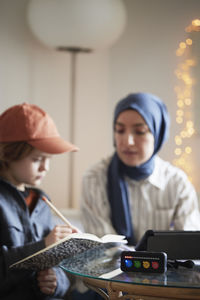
155 265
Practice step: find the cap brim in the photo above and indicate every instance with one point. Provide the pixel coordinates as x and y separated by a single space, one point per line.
54 145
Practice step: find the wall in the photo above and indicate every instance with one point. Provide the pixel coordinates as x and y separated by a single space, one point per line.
143 59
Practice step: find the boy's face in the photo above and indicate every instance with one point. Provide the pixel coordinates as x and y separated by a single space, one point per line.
29 170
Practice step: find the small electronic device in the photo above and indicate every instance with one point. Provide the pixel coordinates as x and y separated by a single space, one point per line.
143 261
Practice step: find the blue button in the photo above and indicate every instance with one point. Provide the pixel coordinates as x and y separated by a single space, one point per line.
128 263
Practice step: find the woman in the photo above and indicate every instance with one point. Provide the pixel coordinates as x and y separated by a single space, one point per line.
134 190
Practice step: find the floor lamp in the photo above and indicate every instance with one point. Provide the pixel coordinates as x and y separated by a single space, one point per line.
76 26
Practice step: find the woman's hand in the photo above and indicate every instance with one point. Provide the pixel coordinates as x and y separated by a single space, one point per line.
59 232
47 281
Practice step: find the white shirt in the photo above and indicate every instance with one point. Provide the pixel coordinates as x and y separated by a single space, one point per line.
165 200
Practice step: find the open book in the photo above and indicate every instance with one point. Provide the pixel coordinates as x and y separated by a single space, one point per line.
73 244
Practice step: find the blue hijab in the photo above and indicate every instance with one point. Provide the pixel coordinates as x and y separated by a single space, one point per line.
155 114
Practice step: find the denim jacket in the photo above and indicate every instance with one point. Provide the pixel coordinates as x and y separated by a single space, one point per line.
21 235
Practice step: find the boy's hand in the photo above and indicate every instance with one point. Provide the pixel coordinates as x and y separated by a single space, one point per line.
47 281
59 232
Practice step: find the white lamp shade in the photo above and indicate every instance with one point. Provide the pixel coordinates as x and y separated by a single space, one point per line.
89 24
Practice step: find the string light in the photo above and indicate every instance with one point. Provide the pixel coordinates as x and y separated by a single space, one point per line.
184 96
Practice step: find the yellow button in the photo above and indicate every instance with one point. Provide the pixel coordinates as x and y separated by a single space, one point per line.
146 264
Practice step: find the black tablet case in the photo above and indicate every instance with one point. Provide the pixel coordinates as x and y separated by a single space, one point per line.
177 244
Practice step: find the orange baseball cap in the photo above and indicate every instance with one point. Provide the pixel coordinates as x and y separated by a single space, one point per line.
29 123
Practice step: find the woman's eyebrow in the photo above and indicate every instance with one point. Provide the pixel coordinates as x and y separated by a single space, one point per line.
140 125
134 125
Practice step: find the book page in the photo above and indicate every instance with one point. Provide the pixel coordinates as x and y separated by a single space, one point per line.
109 238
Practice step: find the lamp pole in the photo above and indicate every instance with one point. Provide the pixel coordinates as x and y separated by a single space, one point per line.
72 115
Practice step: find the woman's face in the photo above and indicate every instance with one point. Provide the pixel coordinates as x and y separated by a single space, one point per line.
133 139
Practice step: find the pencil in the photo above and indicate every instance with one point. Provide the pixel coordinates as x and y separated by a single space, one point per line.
57 212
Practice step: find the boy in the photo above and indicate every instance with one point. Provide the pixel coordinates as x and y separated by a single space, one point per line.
28 138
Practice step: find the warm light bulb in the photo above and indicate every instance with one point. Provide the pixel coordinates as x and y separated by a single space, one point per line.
189 42
179 120
191 131
178 151
188 150
180 103
196 22
182 45
188 101
189 124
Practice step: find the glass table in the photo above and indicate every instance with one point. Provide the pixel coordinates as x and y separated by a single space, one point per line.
99 268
